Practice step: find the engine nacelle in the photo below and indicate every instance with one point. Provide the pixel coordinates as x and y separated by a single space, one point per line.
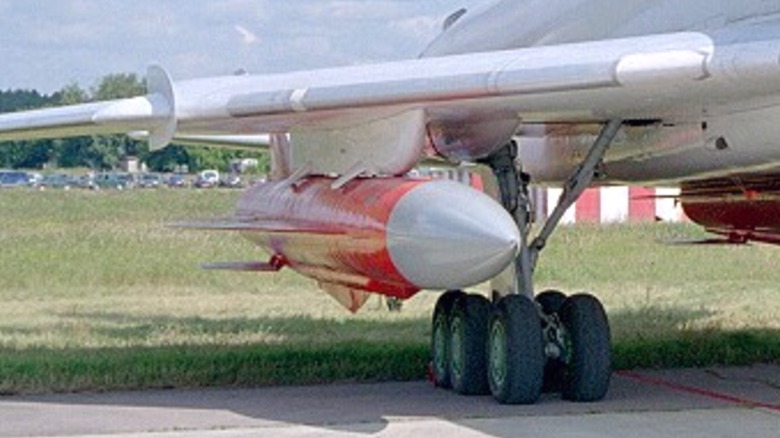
471 139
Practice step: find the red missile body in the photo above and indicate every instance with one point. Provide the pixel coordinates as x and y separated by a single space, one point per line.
392 236
334 236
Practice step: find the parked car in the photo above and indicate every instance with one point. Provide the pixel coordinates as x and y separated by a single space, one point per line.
115 180
177 181
231 181
14 178
34 179
207 179
57 180
149 181
85 182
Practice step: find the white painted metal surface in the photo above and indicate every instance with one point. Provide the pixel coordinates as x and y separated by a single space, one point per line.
388 146
690 65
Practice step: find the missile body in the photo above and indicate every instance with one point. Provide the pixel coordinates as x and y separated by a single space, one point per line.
393 236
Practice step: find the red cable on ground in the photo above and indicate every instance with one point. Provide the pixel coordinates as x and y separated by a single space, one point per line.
697 391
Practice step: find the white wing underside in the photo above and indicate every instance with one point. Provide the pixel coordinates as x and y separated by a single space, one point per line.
672 77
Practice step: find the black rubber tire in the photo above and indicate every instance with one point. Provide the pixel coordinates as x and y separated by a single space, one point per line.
516 356
588 363
468 338
440 338
551 301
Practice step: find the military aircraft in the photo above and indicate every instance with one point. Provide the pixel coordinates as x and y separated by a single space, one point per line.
571 93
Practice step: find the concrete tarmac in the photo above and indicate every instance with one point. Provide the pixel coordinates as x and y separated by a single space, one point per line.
713 402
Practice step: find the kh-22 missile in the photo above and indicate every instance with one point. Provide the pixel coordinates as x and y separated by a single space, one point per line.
392 236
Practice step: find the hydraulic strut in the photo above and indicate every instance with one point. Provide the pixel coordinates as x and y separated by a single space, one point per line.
514 189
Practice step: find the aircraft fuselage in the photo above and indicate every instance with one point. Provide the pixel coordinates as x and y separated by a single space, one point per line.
513 24
686 143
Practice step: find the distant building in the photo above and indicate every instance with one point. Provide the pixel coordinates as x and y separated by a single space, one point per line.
130 164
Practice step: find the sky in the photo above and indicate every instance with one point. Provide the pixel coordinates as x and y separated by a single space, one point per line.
48 44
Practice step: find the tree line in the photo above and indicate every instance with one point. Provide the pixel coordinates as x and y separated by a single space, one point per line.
102 152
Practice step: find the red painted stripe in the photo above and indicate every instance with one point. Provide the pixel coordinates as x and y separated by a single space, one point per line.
477 182
714 395
641 204
588 207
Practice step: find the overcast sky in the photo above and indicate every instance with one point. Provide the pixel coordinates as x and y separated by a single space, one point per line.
47 44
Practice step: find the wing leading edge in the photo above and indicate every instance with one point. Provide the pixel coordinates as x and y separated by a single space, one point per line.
585 81
154 113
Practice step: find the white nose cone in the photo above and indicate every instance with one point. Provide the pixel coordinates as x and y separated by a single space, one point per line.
445 235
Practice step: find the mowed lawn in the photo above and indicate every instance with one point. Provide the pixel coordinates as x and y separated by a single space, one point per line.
97 292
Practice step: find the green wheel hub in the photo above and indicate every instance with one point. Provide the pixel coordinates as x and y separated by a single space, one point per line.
498 358
458 361
440 346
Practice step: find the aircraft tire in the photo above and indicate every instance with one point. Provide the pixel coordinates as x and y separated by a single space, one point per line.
468 337
515 351
440 338
587 356
551 302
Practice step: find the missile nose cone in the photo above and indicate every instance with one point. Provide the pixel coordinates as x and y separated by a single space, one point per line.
445 235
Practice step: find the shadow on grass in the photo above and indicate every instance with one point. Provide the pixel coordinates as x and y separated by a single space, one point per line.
303 350
655 322
300 330
299 350
297 362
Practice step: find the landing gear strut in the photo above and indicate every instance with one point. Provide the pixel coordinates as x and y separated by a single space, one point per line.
548 342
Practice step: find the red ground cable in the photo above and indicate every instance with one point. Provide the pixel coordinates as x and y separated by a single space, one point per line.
697 391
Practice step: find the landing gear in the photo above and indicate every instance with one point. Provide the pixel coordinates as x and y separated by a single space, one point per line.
549 304
522 345
468 328
586 362
440 338
394 304
550 301
515 351
458 342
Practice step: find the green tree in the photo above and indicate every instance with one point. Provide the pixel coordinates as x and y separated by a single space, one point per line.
72 152
29 154
167 159
71 95
107 150
17 100
119 86
103 152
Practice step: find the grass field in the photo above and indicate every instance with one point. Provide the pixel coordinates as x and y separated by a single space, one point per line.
97 293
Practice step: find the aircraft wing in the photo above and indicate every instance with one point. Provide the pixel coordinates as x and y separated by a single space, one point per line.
154 113
654 77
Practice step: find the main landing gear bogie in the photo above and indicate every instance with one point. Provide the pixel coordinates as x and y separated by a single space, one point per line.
523 344
517 349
